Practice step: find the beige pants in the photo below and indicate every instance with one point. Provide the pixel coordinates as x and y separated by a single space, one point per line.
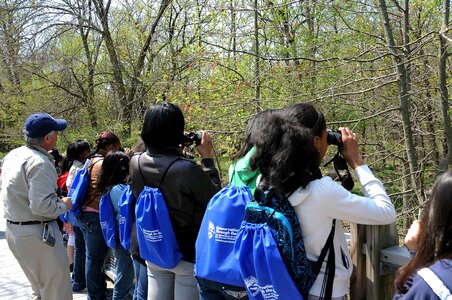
46 267
178 283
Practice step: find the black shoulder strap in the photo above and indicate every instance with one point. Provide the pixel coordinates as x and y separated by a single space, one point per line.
164 173
327 285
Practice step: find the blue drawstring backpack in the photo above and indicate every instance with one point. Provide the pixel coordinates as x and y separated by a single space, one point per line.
261 264
63 217
68 217
78 189
273 210
80 186
126 217
108 220
215 243
156 238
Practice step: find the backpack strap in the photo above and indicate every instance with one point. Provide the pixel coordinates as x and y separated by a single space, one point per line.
164 173
435 283
327 285
91 166
90 170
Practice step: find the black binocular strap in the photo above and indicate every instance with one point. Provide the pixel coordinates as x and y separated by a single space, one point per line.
330 270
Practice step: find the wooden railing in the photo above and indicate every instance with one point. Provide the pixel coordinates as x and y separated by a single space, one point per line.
376 256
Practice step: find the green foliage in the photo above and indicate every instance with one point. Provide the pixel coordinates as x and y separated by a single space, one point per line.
331 54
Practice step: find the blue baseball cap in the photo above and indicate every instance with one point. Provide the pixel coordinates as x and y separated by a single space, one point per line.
41 124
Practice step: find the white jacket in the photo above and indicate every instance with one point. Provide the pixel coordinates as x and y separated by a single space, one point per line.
324 200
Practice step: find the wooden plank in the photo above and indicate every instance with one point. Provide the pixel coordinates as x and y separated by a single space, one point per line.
358 285
379 287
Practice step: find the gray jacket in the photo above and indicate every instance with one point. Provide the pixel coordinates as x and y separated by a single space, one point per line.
29 186
187 188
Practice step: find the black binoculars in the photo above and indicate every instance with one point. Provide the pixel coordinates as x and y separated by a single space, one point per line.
193 137
334 137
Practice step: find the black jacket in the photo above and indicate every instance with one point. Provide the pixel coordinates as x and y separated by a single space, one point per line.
187 189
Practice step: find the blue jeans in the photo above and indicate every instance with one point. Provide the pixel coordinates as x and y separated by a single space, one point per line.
124 273
96 251
213 290
78 274
141 281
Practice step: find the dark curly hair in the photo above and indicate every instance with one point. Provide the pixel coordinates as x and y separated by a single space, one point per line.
285 152
255 124
306 115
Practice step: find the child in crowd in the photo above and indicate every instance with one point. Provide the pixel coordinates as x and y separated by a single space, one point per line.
76 152
113 180
240 174
89 222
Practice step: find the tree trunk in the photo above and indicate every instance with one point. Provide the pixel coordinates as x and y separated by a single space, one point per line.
119 86
91 65
443 54
257 77
404 95
11 45
406 198
233 30
140 66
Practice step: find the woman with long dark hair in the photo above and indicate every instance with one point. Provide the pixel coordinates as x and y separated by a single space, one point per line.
186 189
428 275
288 154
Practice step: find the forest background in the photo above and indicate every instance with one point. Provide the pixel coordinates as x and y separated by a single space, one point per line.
380 67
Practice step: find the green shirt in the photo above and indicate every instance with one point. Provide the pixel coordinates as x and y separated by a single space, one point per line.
241 174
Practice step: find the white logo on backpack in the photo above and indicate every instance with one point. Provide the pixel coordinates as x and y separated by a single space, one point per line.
253 287
153 236
103 224
211 232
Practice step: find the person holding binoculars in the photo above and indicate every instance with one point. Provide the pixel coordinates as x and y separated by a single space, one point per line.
186 188
288 154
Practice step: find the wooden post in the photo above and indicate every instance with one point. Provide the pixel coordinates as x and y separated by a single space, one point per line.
358 280
367 283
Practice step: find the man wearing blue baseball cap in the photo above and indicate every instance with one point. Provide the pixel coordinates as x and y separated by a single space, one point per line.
32 206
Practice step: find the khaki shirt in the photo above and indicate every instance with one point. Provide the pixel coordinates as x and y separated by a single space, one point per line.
29 185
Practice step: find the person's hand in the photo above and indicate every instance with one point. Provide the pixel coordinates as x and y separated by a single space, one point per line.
187 154
206 146
128 152
412 236
68 228
351 151
68 202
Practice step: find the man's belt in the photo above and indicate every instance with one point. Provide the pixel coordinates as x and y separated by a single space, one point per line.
28 222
